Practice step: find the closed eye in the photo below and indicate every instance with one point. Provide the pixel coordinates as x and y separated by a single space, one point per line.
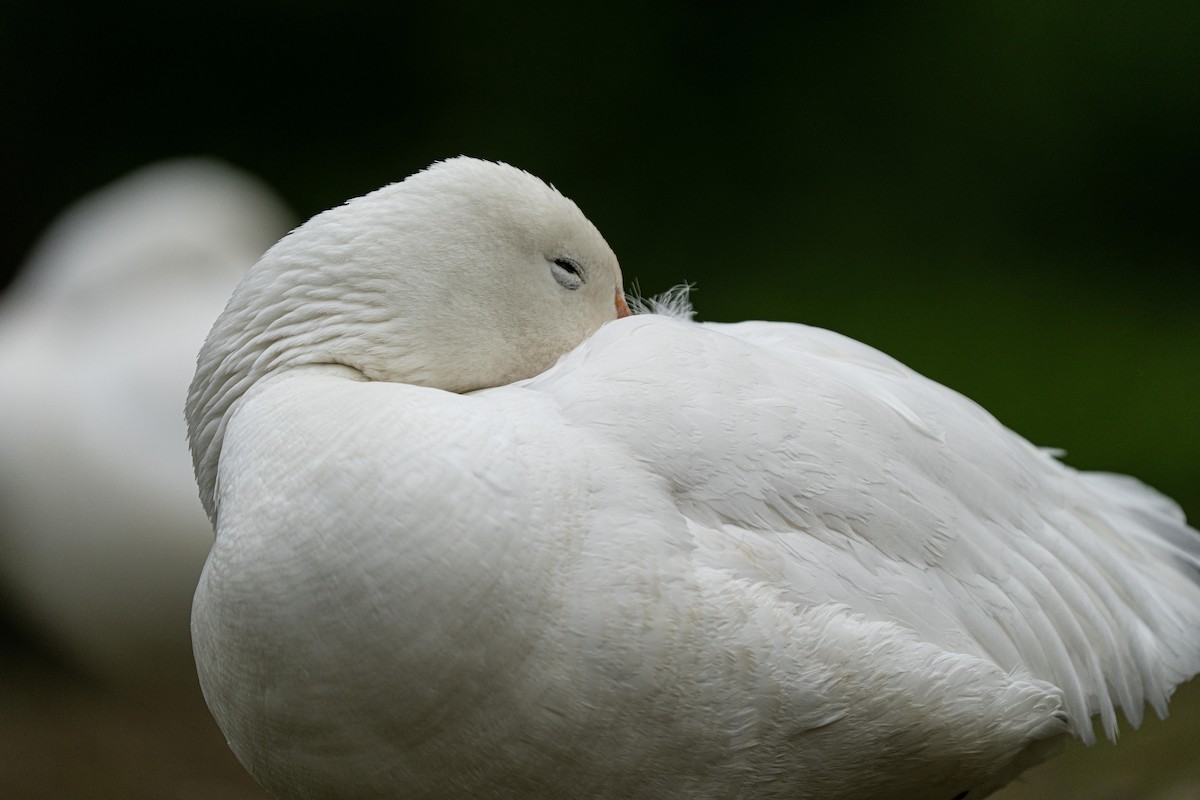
568 273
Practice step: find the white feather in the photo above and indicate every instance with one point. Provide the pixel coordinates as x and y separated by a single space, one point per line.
686 561
101 535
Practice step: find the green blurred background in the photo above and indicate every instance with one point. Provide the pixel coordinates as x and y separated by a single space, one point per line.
1004 195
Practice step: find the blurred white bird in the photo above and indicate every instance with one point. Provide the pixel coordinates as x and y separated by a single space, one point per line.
685 561
102 536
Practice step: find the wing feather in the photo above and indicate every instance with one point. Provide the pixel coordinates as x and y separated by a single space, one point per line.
810 461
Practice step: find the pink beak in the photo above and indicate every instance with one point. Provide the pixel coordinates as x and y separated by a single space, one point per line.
622 306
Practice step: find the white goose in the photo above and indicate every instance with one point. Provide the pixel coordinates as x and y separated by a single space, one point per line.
685 561
101 537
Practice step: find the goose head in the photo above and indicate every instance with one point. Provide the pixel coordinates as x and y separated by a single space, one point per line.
467 275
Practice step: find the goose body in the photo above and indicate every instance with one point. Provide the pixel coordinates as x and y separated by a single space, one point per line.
101 536
684 561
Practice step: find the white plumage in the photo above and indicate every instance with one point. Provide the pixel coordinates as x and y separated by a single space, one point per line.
687 560
101 536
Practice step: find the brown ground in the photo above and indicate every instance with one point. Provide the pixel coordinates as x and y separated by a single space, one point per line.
1159 762
62 738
